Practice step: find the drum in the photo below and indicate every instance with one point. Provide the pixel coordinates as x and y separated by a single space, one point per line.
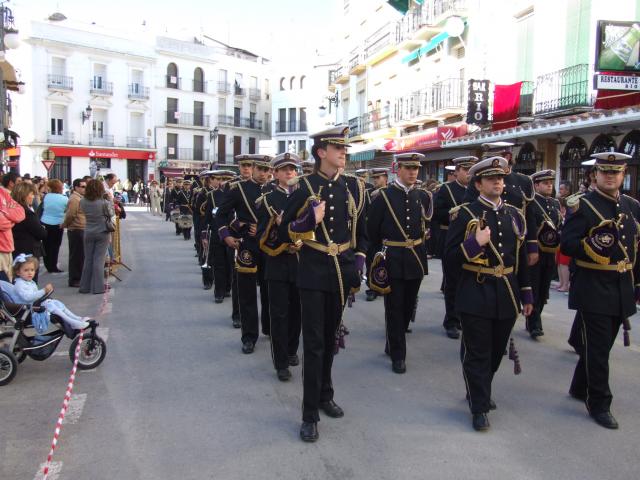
174 214
184 221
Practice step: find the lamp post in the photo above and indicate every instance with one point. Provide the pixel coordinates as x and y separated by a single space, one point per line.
86 114
8 39
332 99
213 137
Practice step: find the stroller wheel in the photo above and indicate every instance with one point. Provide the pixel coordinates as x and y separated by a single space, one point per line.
20 354
8 366
92 351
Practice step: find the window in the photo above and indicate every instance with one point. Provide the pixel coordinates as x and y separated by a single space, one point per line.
302 79
282 145
237 145
252 145
172 75
238 84
172 110
222 148
98 129
303 119
61 169
57 119
198 80
198 114
103 163
292 120
302 146
99 77
236 117
525 43
172 146
198 147
291 82
222 106
282 84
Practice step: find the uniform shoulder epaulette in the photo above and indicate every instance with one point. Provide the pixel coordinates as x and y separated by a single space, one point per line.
296 180
375 193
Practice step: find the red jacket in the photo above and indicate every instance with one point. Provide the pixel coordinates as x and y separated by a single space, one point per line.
11 212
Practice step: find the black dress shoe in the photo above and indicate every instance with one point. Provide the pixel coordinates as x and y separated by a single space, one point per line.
606 420
236 323
331 409
481 422
294 361
284 375
371 295
536 332
247 347
453 333
208 287
218 299
309 431
74 284
408 330
398 366
227 294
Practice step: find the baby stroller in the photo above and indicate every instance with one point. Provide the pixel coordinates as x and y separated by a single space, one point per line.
20 339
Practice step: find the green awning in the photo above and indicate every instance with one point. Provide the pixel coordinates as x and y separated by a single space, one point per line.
362 156
401 5
431 44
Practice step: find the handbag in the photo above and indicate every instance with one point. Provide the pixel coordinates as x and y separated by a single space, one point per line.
108 219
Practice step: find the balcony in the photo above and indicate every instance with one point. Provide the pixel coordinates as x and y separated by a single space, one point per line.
255 94
525 111
138 92
60 138
59 82
355 127
138 142
375 120
342 75
379 45
240 122
357 64
100 87
284 127
173 82
563 92
333 75
101 140
424 21
238 91
189 154
224 87
199 86
187 119
437 101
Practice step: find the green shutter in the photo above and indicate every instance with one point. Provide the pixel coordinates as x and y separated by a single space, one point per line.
401 5
526 39
578 29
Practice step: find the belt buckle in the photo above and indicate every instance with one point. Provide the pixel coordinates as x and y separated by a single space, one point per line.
622 266
498 271
333 249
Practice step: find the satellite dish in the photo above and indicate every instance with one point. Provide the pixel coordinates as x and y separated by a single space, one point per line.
454 27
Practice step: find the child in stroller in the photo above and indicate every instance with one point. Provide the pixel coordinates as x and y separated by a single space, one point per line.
26 291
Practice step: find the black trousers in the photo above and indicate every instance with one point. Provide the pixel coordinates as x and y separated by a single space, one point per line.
264 297
575 336
485 340
221 257
451 319
321 313
284 313
52 246
186 233
541 275
248 303
399 306
76 254
591 376
235 300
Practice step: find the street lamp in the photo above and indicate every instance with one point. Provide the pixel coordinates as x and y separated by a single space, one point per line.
8 33
213 137
86 114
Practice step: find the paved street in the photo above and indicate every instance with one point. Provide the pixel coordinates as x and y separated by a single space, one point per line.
175 397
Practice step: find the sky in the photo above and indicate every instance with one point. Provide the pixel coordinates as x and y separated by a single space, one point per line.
276 29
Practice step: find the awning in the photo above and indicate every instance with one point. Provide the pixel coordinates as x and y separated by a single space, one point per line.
431 44
9 76
400 5
118 153
361 156
430 139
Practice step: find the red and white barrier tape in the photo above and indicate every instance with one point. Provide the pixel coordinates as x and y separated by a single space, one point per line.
65 406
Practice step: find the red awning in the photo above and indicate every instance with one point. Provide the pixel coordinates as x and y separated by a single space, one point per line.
119 153
427 139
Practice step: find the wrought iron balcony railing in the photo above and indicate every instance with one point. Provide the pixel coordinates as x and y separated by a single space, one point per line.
138 92
59 82
224 87
240 122
283 127
138 142
187 119
100 87
60 137
101 140
173 82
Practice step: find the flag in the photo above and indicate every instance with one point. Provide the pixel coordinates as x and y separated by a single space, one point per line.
506 102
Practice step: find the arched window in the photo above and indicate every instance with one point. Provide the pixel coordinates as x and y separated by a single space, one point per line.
528 160
631 146
291 82
302 79
282 84
198 80
602 143
571 158
172 76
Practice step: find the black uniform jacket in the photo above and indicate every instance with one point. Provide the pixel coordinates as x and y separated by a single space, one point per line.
280 262
448 196
213 199
183 200
241 199
483 294
344 222
518 190
599 291
402 262
540 210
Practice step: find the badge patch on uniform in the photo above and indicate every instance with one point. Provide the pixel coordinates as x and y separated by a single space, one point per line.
245 262
604 239
548 238
379 275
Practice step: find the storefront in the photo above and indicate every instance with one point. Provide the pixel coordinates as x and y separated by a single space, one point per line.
75 162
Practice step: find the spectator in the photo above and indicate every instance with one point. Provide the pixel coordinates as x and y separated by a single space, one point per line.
29 233
564 190
110 180
74 222
10 213
128 188
66 189
10 180
96 237
53 207
155 194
